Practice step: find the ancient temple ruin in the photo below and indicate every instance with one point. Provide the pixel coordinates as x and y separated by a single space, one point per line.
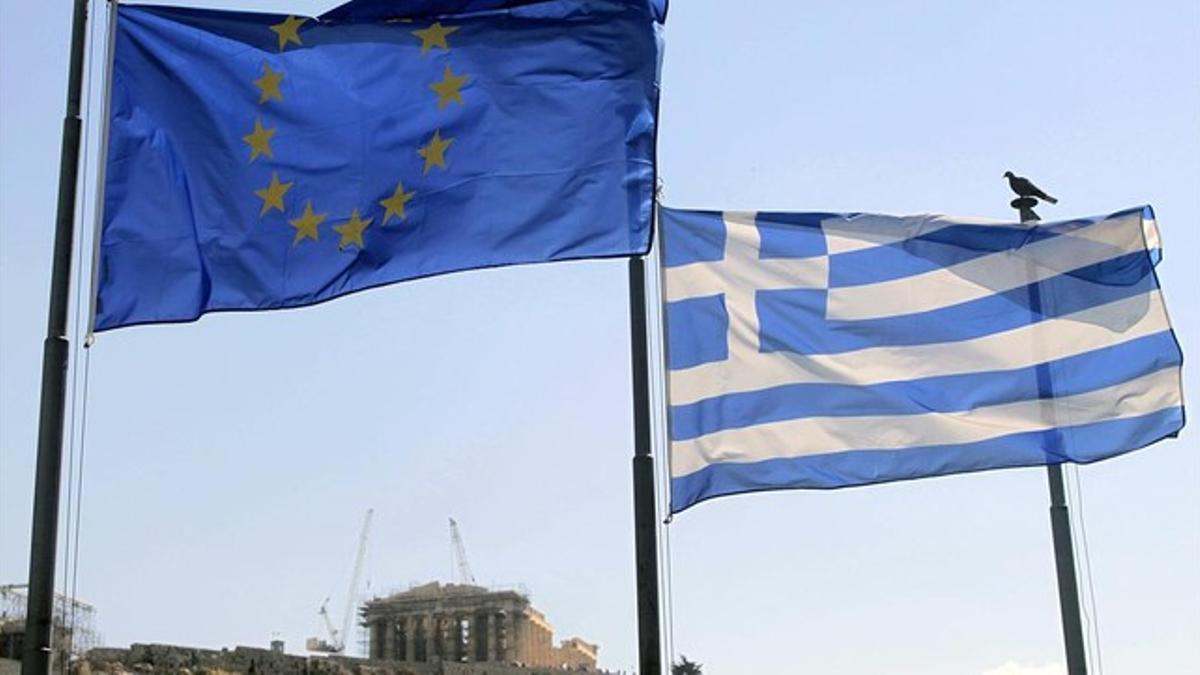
468 624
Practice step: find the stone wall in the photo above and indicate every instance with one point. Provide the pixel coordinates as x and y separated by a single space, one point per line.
502 669
152 659
176 660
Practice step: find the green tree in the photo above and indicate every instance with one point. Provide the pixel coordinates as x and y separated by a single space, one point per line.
685 667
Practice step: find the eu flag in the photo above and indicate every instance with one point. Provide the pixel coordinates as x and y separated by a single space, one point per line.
261 161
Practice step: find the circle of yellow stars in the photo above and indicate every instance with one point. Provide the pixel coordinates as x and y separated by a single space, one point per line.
308 225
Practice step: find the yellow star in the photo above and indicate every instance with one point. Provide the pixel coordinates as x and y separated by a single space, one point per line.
435 152
259 140
395 203
434 36
306 224
288 30
352 230
268 85
272 195
447 89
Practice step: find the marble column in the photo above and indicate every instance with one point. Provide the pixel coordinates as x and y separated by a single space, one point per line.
430 636
397 631
458 652
510 637
473 639
389 639
518 649
443 637
377 639
489 628
410 638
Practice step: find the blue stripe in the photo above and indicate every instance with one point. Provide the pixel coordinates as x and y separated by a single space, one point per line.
948 393
791 235
793 320
1083 444
948 246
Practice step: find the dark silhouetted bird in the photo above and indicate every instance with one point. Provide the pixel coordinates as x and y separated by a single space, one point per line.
1024 188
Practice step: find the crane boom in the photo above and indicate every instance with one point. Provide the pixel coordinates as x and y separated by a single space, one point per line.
352 594
460 555
324 612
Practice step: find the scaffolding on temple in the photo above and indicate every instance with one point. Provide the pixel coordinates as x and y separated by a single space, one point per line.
467 623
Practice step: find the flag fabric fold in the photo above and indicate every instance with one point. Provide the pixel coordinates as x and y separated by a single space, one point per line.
262 161
819 350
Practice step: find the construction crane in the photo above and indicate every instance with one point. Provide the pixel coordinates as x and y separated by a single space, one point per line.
329 629
337 637
460 556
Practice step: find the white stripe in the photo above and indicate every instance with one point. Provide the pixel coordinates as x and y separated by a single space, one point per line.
821 435
742 242
1153 240
990 274
1057 338
702 279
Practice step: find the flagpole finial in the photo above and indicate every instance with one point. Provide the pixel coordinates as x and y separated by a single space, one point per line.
1024 206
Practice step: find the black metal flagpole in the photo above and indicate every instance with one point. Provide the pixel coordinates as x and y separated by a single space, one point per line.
645 518
1064 563
1060 519
55 353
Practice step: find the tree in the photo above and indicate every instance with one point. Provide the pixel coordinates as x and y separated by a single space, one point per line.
685 667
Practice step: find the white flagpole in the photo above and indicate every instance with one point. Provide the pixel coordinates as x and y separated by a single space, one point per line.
102 166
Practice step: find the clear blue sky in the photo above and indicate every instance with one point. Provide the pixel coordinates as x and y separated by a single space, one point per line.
228 462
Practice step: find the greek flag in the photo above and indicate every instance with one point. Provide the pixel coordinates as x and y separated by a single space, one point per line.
821 350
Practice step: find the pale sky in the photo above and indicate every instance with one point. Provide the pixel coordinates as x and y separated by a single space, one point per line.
228 462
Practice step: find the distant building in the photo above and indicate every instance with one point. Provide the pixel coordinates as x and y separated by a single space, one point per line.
575 654
468 624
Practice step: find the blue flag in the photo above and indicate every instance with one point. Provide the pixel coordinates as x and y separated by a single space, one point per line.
818 350
259 161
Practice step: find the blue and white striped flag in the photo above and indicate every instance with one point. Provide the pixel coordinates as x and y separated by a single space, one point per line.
817 350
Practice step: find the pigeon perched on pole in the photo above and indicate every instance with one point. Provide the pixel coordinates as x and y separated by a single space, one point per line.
1024 188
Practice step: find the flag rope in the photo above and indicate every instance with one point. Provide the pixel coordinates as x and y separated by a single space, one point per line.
90 206
1079 527
660 441
1080 572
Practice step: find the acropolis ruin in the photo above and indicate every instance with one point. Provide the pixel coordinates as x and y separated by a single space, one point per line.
468 624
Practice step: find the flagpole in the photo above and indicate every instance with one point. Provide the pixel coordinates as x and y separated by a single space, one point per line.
645 517
1064 563
1060 519
39 612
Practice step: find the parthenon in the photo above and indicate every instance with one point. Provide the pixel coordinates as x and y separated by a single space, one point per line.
466 623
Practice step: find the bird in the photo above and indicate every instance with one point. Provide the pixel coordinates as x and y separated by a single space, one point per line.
1024 188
